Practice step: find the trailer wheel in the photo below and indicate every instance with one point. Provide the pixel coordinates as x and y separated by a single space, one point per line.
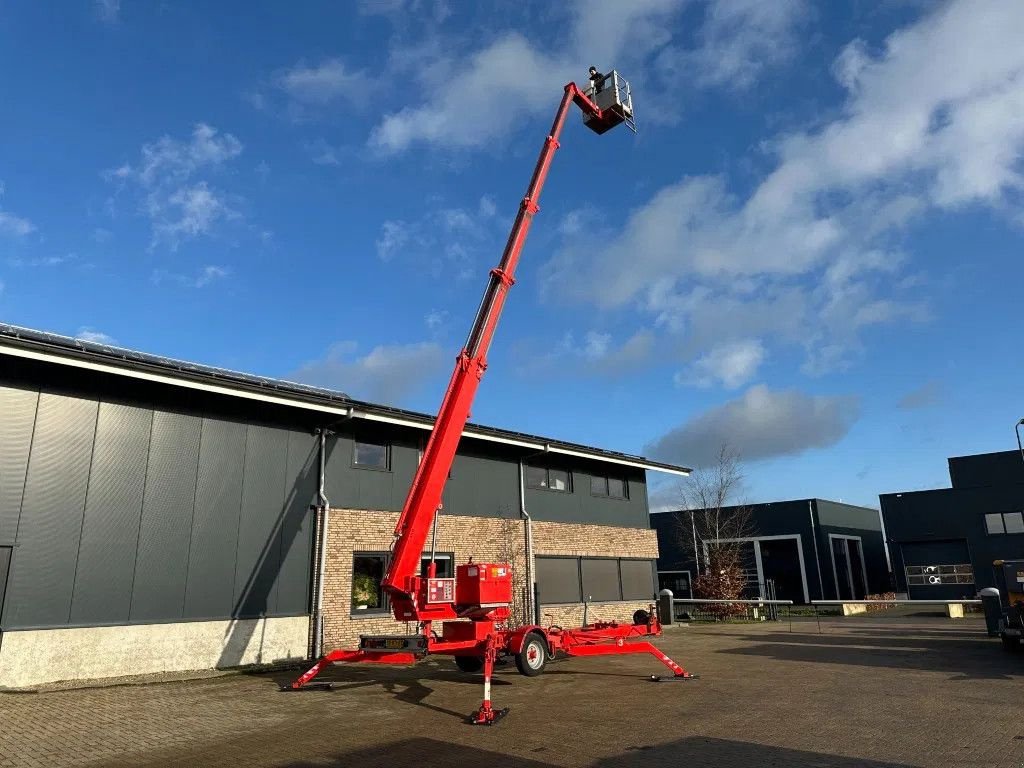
532 659
1011 644
470 664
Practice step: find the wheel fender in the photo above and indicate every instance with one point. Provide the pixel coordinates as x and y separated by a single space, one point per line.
517 639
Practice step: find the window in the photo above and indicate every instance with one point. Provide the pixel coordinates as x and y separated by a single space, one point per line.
549 479
594 579
445 566
638 580
601 580
612 487
367 573
558 580
370 455
935 575
1004 522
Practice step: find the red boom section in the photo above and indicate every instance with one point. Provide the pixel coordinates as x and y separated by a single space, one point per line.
402 579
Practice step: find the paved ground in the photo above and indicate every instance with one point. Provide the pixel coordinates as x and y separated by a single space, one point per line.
865 693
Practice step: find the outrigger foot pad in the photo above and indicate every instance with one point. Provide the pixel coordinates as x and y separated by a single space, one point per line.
672 678
490 718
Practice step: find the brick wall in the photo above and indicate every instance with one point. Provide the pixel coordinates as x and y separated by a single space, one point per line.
486 540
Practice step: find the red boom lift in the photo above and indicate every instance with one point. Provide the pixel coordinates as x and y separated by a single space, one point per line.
473 607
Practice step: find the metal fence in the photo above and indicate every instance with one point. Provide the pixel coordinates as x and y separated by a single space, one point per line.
693 609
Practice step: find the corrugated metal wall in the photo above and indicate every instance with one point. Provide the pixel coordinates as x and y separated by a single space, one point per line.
122 514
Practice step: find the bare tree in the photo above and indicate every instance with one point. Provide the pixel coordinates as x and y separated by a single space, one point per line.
713 524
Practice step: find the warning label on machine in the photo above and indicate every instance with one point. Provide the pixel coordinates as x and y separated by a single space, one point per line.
440 590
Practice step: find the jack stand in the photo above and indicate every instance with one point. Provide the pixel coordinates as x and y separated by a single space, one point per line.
487 715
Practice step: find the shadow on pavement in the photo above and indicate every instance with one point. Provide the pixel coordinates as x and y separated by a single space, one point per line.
693 752
963 658
406 684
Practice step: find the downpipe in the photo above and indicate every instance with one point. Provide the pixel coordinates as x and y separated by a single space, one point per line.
324 508
531 608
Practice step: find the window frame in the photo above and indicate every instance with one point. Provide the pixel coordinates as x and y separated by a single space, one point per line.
547 479
385 604
607 493
618 578
1002 518
1019 526
386 445
578 559
440 557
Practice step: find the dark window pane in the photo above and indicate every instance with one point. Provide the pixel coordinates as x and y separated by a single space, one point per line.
372 455
367 574
599 486
558 480
601 580
536 477
1014 522
616 488
558 580
638 580
445 566
994 523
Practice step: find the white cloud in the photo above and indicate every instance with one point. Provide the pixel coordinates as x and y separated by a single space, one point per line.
738 40
594 353
323 153
760 424
203 277
930 122
393 237
108 10
321 84
42 261
467 93
15 226
448 241
386 374
436 320
398 10
180 206
730 365
94 336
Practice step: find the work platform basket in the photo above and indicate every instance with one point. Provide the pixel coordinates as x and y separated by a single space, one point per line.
613 97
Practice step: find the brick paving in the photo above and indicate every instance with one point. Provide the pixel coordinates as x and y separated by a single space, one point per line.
864 693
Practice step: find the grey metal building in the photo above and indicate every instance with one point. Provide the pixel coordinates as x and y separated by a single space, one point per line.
943 541
811 549
157 515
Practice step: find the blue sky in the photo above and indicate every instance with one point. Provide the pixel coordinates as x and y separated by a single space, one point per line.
811 251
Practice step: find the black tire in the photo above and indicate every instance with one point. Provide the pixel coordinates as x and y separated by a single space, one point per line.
534 657
470 664
1010 644
641 617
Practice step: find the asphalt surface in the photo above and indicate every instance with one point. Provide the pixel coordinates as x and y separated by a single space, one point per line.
864 692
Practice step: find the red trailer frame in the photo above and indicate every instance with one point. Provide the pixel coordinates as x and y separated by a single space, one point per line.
473 607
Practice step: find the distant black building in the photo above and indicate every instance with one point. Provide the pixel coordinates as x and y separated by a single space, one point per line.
812 549
943 541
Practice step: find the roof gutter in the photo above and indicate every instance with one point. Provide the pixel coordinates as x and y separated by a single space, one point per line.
347 411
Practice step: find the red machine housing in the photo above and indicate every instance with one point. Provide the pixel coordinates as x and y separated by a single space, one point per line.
474 607
482 585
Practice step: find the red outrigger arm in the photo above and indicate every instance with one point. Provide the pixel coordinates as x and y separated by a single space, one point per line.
424 497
